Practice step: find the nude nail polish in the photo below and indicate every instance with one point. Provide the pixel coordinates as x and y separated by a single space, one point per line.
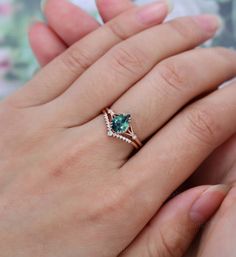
210 23
151 13
208 202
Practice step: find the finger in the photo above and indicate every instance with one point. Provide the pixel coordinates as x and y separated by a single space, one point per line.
128 62
79 25
45 44
169 87
219 167
218 238
63 71
69 21
109 9
172 230
180 147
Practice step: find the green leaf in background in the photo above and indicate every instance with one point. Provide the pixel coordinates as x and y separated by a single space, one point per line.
17 63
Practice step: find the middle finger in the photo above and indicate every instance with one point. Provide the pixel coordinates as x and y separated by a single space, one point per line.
172 84
112 75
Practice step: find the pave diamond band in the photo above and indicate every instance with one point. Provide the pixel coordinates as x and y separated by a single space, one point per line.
119 126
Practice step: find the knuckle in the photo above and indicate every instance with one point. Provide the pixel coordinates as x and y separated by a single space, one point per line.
111 203
76 59
117 30
171 244
127 61
221 51
202 125
225 56
75 156
173 73
186 28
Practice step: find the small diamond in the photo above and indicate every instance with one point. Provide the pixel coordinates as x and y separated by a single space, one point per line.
109 133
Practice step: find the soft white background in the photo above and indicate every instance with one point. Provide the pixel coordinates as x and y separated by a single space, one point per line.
182 7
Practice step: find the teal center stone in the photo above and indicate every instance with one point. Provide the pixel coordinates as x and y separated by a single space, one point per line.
120 123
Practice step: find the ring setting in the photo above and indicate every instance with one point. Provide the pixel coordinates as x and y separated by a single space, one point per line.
119 126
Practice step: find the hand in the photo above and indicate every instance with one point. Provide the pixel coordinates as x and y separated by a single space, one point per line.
222 226
90 188
218 238
209 173
219 168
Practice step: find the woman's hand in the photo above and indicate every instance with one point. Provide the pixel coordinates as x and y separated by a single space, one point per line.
218 238
77 26
218 168
68 189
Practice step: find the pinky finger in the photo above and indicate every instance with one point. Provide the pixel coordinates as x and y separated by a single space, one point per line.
45 43
173 229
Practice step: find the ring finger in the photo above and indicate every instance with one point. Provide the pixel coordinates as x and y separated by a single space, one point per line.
126 63
171 85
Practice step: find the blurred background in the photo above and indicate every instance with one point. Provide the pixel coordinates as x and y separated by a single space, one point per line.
17 63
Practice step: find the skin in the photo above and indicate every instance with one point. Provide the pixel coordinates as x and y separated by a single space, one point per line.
218 168
72 197
58 35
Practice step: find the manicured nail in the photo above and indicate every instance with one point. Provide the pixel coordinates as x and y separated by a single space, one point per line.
210 23
208 203
152 13
43 3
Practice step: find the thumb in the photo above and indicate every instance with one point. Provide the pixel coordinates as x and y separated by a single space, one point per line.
172 230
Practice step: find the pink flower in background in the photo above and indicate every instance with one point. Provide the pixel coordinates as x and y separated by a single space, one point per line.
6 9
5 61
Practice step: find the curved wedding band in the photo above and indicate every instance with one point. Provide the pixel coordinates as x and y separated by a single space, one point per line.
119 126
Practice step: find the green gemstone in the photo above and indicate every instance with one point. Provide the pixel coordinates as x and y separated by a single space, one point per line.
120 123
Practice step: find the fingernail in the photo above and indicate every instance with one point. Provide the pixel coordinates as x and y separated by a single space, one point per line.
152 13
43 3
210 23
208 203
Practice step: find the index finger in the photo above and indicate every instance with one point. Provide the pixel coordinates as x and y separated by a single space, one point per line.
57 76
